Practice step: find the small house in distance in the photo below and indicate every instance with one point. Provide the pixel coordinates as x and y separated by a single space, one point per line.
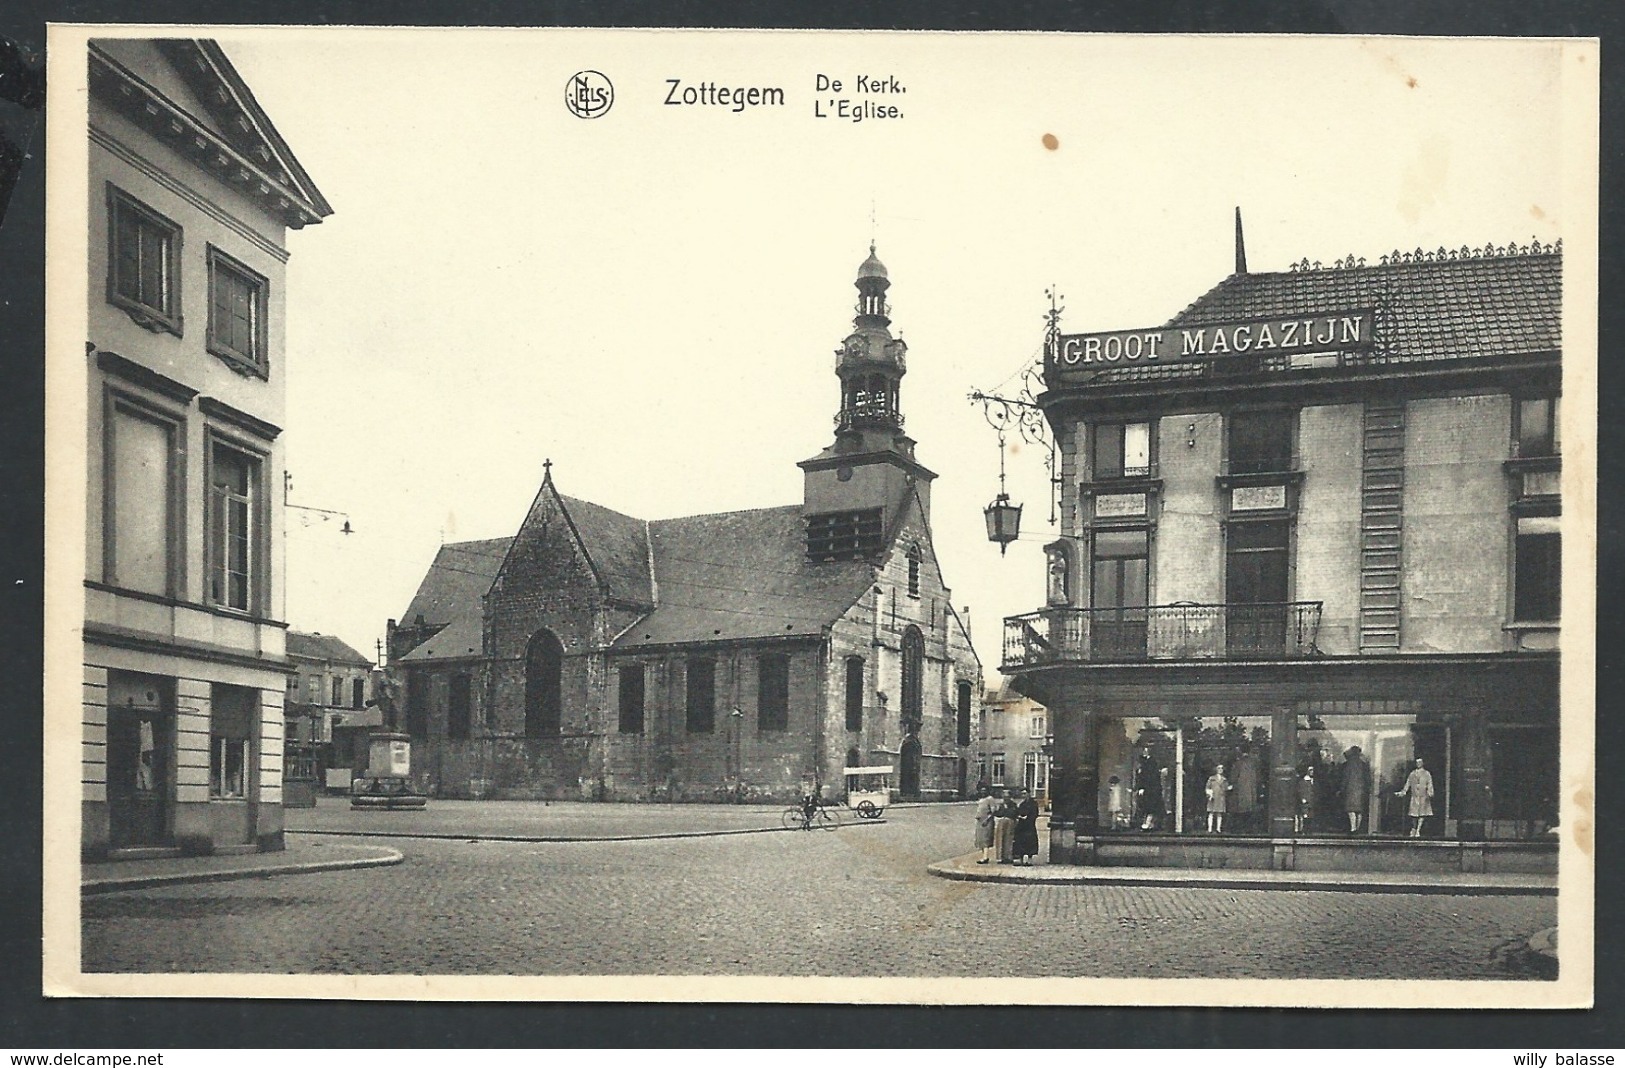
328 711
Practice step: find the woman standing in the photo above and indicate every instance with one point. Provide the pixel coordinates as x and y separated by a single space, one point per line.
1026 834
1004 829
1419 786
984 826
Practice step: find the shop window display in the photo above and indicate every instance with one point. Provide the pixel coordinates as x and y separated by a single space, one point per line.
1359 766
1164 768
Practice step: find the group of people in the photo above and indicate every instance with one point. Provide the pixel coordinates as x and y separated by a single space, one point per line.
1007 826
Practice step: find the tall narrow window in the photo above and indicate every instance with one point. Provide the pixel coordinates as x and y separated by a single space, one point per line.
358 693
1260 442
544 662
1256 576
1121 450
232 715
1537 427
631 699
854 693
459 707
773 692
913 678
338 691
237 301
702 695
1119 568
914 571
234 487
228 768
964 710
141 518
1256 562
1537 566
144 248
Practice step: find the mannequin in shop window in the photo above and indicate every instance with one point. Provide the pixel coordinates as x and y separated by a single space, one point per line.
1244 777
1117 804
1419 788
1148 790
1305 812
1218 800
1356 787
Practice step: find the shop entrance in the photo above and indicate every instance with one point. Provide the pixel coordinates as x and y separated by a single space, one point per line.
140 760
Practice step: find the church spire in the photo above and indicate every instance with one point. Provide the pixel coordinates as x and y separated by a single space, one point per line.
859 484
871 362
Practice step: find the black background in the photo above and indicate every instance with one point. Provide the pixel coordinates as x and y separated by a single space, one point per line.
27 1020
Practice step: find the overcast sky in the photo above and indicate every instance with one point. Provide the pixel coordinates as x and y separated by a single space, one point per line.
652 298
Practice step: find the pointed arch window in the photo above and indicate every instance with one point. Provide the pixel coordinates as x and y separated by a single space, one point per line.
544 671
854 693
913 678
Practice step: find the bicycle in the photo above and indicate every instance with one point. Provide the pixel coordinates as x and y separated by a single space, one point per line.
796 818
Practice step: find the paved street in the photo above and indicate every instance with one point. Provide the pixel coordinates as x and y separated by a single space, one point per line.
535 819
855 902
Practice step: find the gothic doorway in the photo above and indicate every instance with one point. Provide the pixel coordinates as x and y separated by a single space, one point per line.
544 670
909 774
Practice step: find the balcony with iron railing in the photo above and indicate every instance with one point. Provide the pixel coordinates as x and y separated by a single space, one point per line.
1162 632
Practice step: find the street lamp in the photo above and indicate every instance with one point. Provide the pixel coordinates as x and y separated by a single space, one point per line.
736 720
1024 415
1003 518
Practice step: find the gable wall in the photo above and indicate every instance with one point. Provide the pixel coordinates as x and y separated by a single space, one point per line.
873 629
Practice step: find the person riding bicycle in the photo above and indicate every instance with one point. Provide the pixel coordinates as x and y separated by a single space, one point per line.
809 807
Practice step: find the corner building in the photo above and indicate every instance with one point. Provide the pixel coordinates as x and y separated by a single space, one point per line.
192 192
1313 562
737 655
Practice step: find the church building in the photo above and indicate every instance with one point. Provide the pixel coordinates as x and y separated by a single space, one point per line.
730 656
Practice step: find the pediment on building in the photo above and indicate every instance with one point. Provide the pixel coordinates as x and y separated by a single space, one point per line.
187 94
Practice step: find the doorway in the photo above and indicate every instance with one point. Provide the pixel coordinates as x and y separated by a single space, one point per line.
909 773
140 759
1256 581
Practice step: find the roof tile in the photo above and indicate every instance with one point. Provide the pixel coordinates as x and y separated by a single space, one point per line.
1445 306
734 575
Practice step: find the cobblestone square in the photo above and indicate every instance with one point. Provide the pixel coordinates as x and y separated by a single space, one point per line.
854 903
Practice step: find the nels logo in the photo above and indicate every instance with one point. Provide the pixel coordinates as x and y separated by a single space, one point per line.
588 94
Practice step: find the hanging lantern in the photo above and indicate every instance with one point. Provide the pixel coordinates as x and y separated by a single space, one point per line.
1003 521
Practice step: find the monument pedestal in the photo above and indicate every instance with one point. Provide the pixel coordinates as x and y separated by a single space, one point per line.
388 781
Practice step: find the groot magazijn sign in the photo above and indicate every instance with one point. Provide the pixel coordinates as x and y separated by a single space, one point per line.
1211 341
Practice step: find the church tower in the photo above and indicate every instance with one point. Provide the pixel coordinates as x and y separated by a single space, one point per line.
856 488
